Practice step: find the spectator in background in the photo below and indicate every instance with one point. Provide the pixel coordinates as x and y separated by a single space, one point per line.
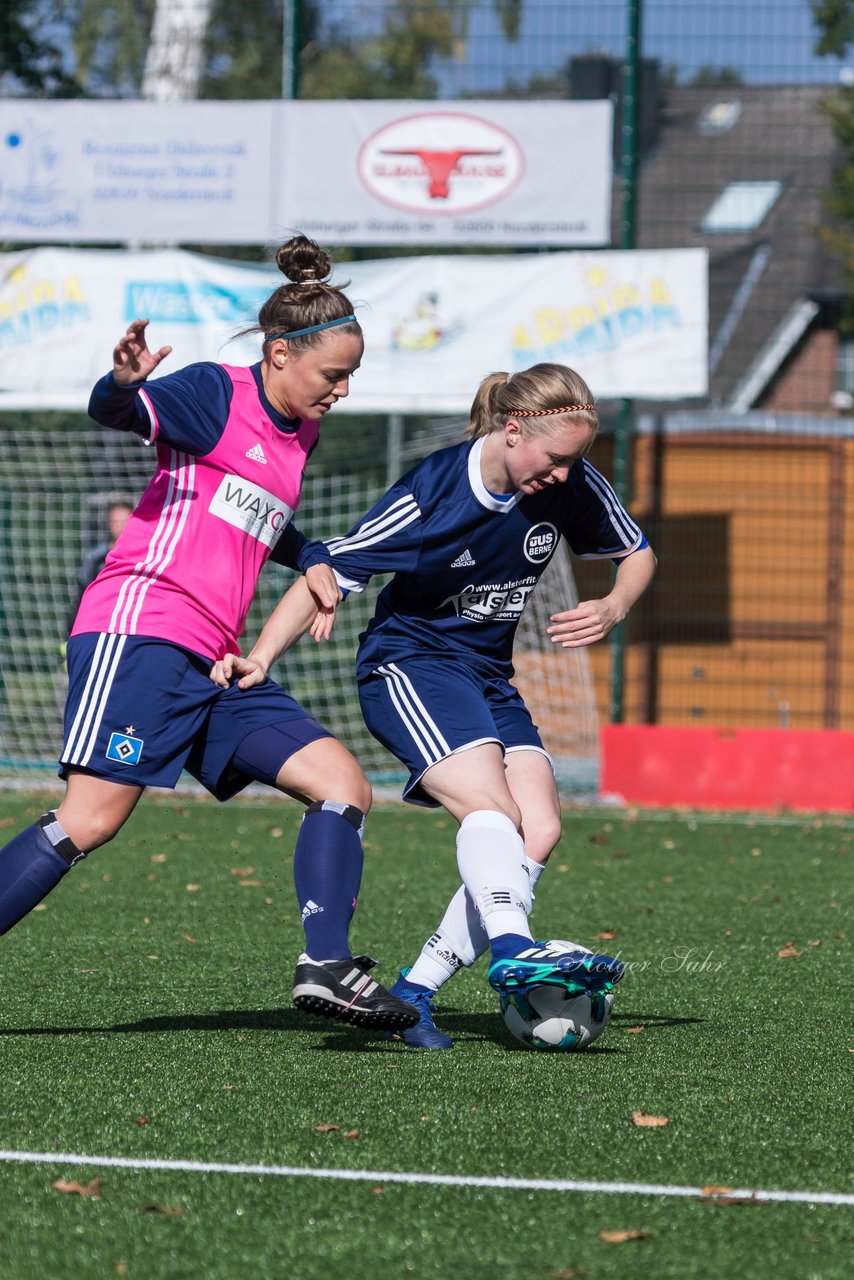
92 563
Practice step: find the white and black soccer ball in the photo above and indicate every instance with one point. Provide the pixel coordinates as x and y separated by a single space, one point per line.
553 1019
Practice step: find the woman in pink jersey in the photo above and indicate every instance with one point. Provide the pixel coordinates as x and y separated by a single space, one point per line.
231 445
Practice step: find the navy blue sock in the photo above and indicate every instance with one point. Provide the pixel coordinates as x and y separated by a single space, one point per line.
327 873
30 866
508 945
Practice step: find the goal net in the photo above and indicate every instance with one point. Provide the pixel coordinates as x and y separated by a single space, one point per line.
55 490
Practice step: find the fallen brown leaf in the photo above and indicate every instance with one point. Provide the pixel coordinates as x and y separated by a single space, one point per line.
606 933
620 1237
712 1190
814 942
352 1133
92 1188
649 1122
142 1120
242 871
788 950
326 1128
730 1200
633 1031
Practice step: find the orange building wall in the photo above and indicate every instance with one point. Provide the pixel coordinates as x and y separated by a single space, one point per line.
750 622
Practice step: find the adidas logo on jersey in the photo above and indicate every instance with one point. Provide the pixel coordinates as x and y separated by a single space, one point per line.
256 453
463 561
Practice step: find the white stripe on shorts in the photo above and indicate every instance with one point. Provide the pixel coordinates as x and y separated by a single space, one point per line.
424 731
84 731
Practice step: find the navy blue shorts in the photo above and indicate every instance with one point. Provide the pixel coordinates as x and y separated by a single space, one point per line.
141 710
425 709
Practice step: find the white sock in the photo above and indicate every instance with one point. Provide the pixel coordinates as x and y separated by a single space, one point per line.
437 963
535 870
492 866
460 938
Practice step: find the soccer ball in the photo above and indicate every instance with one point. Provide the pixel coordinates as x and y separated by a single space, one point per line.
554 1019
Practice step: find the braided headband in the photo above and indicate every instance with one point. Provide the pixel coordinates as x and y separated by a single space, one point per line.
538 413
314 328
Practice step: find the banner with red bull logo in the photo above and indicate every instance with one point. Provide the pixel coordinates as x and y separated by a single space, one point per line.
344 172
428 173
633 323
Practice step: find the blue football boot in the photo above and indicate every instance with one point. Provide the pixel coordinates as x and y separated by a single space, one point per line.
561 964
425 1034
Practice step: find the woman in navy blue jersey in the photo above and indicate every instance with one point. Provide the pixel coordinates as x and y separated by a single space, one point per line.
467 534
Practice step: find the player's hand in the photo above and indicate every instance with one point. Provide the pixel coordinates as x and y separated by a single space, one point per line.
247 671
326 593
585 624
132 360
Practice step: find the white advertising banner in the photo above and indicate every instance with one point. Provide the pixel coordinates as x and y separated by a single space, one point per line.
135 171
632 323
427 173
345 172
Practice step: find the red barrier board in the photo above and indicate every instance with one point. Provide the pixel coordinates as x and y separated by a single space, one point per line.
806 770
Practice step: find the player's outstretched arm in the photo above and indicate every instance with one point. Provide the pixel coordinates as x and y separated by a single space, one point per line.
323 585
309 605
132 360
591 620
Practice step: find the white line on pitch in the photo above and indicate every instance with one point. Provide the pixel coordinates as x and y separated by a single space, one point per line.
423 1179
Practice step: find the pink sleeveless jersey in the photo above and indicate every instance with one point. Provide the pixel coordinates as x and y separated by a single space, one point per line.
187 564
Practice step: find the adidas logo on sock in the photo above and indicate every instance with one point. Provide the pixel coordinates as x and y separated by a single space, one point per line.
463 561
256 453
310 909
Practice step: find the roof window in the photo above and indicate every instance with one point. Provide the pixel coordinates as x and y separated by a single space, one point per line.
741 206
719 117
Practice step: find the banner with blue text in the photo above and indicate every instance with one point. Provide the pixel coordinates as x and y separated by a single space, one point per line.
344 172
633 323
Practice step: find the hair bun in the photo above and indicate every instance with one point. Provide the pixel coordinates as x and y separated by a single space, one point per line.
303 261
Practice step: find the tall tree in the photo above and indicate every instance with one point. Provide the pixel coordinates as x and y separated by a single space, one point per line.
835 22
110 39
31 63
358 51
369 51
173 64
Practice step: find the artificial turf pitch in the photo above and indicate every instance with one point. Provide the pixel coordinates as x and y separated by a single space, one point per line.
146 1015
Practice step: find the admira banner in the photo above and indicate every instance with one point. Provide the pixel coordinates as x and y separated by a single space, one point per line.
633 323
